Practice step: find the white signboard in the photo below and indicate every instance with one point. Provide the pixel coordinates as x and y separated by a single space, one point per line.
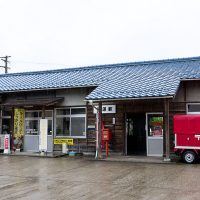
105 109
7 144
43 135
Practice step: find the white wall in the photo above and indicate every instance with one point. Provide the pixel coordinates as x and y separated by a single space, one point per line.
192 91
72 97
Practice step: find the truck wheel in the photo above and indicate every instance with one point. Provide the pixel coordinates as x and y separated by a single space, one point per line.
189 157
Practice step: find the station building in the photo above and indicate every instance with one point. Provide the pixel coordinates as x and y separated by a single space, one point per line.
137 101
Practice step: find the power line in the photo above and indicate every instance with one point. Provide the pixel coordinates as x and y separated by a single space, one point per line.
38 63
5 59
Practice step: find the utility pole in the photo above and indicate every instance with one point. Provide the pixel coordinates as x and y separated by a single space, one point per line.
5 59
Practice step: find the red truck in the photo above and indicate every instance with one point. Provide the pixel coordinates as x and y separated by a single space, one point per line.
187 137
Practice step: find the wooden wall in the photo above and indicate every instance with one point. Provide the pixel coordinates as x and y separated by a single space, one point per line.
118 129
125 107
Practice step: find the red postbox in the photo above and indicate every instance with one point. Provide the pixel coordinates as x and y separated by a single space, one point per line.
106 137
106 134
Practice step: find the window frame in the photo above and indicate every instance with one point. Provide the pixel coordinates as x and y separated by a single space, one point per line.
70 116
38 119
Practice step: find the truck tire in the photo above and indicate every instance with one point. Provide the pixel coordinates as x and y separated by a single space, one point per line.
189 157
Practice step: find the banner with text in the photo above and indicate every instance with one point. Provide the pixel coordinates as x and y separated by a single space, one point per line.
18 123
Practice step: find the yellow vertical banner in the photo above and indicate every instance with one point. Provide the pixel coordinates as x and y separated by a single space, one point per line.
18 123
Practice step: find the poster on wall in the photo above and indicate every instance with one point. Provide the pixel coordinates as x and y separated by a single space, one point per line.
7 144
18 127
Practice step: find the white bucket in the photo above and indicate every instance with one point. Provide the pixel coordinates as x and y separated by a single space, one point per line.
64 148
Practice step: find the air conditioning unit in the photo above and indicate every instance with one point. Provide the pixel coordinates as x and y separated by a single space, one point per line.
105 109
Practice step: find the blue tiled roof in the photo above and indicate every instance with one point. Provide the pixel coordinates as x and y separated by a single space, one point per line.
128 80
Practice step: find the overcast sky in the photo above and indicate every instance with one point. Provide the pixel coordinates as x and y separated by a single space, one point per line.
52 34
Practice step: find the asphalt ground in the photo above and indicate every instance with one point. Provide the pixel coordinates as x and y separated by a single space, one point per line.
23 177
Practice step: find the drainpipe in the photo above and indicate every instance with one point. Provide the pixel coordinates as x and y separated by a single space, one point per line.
98 130
97 134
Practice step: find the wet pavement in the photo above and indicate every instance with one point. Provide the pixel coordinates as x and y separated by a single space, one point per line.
23 177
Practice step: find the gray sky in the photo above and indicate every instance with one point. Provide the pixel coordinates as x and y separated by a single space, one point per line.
52 34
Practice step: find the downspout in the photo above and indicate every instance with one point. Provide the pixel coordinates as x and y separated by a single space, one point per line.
98 130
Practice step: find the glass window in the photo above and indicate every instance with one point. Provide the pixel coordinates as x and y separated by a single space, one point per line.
31 127
193 108
62 111
31 114
40 114
155 125
62 126
77 111
50 127
78 126
71 122
6 125
48 113
6 113
32 122
129 127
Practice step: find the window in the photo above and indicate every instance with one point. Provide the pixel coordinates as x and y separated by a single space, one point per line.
6 121
32 126
155 125
62 126
32 121
193 108
78 126
70 122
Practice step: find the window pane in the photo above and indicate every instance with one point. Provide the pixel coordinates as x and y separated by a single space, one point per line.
6 113
76 111
62 111
31 127
155 125
78 126
194 108
31 114
50 127
6 125
129 127
62 126
48 113
40 114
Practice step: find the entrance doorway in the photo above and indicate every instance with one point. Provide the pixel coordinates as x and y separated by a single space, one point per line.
32 130
154 134
136 134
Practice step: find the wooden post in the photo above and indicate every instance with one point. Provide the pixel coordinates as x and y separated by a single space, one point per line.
185 91
1 114
106 149
99 129
166 131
